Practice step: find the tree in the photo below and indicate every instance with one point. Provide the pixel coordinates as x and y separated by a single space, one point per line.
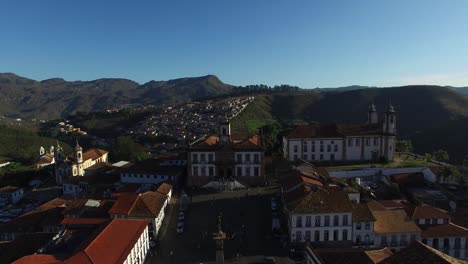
270 134
449 172
404 146
441 155
125 148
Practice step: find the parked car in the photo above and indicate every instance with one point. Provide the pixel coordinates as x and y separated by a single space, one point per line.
180 227
181 216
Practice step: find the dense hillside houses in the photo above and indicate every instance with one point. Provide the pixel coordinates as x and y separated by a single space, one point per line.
226 160
345 142
77 163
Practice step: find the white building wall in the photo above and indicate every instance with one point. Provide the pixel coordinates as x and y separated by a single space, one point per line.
321 229
455 250
140 249
142 178
401 240
314 149
362 232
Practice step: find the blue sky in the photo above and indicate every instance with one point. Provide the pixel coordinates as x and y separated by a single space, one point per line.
308 43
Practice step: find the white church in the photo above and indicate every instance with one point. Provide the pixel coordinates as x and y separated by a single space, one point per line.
345 142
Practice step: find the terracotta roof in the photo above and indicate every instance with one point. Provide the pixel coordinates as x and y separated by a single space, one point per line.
393 221
375 205
124 203
351 255
335 130
379 255
94 154
38 259
427 211
295 178
83 221
417 252
362 213
164 188
9 189
327 200
148 204
238 141
294 197
447 230
116 241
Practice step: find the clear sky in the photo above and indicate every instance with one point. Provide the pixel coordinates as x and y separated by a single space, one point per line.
309 43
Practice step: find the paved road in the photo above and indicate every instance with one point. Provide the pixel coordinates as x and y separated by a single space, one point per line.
246 220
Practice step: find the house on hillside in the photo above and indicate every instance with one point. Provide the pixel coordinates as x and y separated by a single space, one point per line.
345 142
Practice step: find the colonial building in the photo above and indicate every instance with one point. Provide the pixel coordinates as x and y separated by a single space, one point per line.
150 172
149 206
77 163
226 160
363 226
45 158
344 142
323 217
10 195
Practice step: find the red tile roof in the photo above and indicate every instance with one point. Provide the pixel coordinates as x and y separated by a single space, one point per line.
124 203
427 211
327 200
116 241
393 221
38 259
448 230
165 188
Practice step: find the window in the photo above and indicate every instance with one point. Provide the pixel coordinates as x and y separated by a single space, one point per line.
296 148
457 243
358 239
345 235
393 241
308 221
321 148
424 241
211 171
335 235
376 141
298 236
321 156
350 142
434 221
247 157
256 158
325 235
435 243
345 220
195 171
358 226
403 241
304 156
256 171
327 220
305 147
332 156
202 157
317 221
446 243
307 235
367 141
367 226
335 148
336 220
195 158
247 171
210 157
317 236
313 147
239 171
367 239
358 142
295 157
328 148
203 171
298 221
383 241
427 221
313 157
239 158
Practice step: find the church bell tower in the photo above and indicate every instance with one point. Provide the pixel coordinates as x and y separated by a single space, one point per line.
224 131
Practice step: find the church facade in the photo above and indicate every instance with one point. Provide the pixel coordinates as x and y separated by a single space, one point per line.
77 163
225 159
345 142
